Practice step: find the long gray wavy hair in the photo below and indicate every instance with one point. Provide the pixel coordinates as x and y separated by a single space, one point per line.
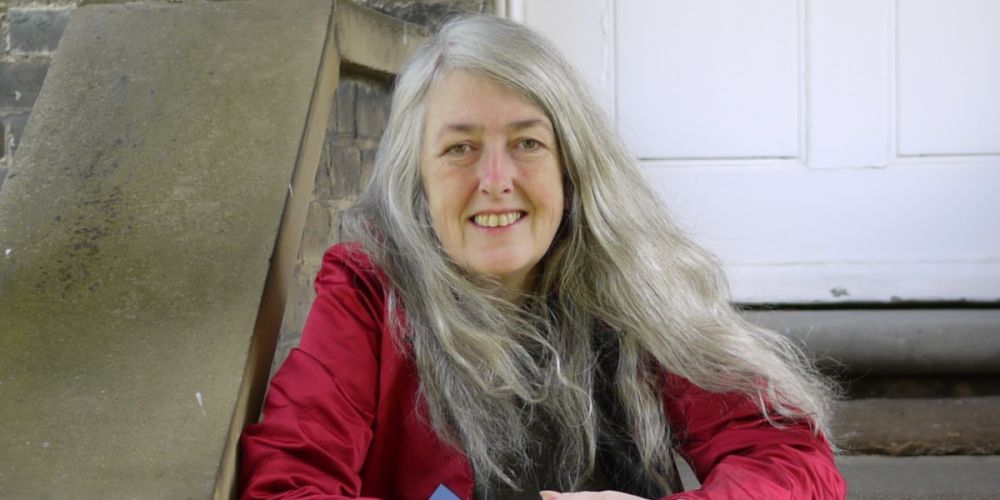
619 273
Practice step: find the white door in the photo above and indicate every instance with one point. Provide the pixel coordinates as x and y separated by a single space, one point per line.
826 150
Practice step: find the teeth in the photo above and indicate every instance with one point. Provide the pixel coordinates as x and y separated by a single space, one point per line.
494 220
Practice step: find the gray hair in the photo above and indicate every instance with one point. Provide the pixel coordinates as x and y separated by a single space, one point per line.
619 273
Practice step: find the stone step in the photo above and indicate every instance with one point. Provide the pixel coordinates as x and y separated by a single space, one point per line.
916 448
943 426
872 477
915 478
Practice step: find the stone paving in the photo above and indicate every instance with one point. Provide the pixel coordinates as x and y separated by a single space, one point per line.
871 477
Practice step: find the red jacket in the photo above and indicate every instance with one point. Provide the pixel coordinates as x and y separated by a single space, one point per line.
342 418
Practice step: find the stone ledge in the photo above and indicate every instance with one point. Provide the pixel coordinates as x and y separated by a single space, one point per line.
35 29
912 478
907 427
142 213
374 43
153 217
921 478
894 341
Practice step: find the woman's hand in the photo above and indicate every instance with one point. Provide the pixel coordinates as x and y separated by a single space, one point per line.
588 495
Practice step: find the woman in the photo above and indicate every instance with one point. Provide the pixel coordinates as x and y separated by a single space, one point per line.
517 313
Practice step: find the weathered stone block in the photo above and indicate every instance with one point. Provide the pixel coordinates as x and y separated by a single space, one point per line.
316 237
323 183
344 109
3 22
36 30
13 130
141 216
339 174
20 81
371 110
429 12
367 165
345 169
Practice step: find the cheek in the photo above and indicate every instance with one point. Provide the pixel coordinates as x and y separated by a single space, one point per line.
444 202
550 196
557 208
438 212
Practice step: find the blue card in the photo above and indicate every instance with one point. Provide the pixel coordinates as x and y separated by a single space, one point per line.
443 493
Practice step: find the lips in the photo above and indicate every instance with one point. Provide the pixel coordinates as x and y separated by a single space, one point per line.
497 220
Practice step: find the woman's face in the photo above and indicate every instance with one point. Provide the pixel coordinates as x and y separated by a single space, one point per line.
490 168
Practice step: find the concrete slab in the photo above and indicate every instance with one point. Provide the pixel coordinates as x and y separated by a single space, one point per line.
921 478
871 477
137 229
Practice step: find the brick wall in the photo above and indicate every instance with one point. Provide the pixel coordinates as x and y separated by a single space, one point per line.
29 35
357 120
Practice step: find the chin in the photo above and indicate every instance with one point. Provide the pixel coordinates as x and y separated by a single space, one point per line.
499 267
500 271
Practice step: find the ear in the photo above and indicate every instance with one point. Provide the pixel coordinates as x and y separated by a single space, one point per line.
549 495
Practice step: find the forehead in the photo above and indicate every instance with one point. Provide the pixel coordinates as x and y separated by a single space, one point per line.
462 97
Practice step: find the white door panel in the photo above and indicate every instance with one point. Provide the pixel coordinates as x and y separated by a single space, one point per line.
708 78
842 230
848 81
588 44
949 77
829 217
826 150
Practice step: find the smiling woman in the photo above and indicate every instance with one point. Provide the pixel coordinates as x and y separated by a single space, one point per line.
489 163
514 312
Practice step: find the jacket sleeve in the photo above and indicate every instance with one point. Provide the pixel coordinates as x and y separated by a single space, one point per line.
318 414
737 454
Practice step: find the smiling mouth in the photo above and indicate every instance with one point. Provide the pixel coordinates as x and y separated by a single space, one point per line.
496 220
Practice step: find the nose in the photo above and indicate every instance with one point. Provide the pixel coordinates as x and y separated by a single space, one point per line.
496 173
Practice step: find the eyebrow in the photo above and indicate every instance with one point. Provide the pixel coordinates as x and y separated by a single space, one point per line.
518 125
534 122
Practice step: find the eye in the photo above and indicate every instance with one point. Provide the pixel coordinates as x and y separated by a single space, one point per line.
458 149
528 144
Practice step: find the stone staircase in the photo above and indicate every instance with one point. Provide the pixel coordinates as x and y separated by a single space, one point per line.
155 380
921 414
921 448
